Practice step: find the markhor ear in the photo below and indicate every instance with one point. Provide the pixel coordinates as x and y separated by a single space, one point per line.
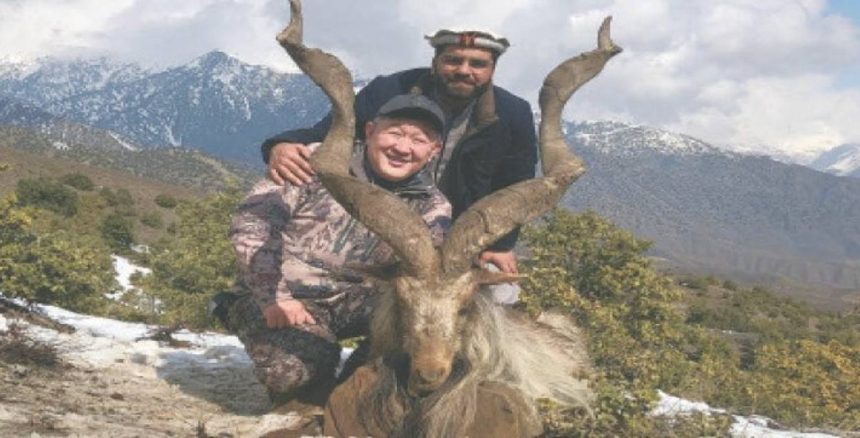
484 277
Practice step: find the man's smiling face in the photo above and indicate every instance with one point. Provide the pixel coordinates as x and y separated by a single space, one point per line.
398 148
463 72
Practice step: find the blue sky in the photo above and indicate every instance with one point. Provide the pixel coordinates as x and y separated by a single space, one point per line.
771 76
849 8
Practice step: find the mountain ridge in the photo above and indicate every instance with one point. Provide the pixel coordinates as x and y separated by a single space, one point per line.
731 213
215 103
704 207
843 160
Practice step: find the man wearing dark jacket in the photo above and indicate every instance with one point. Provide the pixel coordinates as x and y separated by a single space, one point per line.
490 140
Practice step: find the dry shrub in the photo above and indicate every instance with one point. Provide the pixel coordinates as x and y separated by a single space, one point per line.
164 335
17 347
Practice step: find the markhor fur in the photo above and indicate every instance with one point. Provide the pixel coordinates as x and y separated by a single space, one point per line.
502 347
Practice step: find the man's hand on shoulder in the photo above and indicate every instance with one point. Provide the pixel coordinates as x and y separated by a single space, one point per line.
506 261
290 162
287 313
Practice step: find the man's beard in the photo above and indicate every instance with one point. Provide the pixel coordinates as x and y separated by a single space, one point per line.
452 91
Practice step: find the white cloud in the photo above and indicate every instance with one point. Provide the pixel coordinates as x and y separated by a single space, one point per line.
802 115
780 73
751 74
41 27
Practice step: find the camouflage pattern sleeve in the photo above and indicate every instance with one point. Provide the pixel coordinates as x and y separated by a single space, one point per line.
437 215
258 237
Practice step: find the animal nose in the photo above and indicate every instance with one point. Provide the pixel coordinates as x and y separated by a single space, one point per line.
433 374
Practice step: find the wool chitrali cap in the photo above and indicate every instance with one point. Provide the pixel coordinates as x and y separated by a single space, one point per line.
481 39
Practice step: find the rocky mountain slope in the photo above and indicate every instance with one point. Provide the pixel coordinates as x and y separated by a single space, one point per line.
842 160
719 212
215 103
179 166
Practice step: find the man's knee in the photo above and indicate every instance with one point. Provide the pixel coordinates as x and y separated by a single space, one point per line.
288 372
285 360
279 372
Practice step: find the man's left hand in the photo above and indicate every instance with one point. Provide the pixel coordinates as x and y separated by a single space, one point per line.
506 261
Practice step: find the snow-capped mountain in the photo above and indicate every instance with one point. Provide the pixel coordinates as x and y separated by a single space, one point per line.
842 160
215 103
706 208
49 81
14 70
636 139
64 133
721 212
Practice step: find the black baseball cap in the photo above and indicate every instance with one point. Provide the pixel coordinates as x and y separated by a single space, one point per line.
414 106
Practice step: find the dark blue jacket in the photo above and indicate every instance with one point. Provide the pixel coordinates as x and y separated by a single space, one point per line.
498 149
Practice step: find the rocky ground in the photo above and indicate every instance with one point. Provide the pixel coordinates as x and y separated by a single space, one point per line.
108 382
95 377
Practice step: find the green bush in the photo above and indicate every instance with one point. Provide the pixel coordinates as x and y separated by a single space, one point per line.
109 196
47 194
78 181
152 220
791 363
637 337
55 268
124 203
197 263
699 283
731 318
730 285
121 200
123 197
165 201
117 231
799 383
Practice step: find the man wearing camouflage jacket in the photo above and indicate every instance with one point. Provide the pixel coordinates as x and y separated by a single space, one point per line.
296 297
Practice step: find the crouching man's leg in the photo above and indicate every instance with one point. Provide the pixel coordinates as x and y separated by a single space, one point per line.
292 362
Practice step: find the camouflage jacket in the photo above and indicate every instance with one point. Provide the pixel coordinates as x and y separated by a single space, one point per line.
292 242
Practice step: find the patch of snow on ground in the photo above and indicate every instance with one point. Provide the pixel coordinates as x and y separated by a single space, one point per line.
101 342
671 406
213 371
744 427
217 363
124 270
122 142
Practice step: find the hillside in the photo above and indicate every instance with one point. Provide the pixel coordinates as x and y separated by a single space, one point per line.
737 216
842 160
62 132
707 210
215 103
23 164
176 166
